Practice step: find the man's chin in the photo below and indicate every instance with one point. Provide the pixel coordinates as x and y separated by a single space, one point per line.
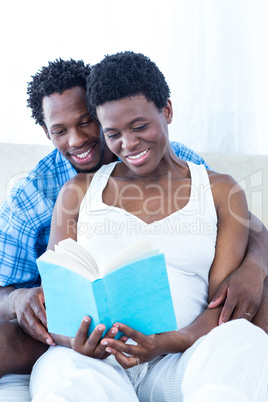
91 169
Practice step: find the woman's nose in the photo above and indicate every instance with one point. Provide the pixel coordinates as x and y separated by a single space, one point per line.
129 141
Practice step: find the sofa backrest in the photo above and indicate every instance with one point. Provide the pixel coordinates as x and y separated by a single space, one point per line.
16 160
251 171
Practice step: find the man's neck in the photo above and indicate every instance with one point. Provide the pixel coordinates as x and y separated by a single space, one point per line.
108 156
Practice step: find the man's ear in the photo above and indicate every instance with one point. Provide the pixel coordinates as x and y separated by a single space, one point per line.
45 130
168 111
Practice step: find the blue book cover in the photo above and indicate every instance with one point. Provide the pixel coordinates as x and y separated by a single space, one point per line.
136 294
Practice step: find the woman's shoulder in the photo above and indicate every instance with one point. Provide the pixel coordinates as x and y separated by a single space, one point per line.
79 182
221 179
224 186
74 190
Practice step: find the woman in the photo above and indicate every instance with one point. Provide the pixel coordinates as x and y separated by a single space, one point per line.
198 218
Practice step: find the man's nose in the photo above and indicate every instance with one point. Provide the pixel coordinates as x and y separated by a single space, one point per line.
76 138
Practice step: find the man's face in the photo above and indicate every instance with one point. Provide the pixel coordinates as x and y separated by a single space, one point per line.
72 130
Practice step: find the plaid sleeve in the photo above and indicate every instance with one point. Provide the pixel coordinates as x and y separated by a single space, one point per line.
24 231
187 154
25 221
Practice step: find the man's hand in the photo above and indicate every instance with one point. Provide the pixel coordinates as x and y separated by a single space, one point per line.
240 293
28 308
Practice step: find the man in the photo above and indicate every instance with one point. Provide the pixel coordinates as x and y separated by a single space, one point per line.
57 97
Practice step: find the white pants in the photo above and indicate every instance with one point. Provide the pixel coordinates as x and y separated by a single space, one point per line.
15 388
230 364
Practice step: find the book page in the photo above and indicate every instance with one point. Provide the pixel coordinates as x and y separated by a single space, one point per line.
69 261
82 254
136 251
75 257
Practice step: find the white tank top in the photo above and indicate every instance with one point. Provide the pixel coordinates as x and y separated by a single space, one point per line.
187 237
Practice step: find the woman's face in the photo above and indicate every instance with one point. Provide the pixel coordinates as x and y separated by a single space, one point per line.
136 132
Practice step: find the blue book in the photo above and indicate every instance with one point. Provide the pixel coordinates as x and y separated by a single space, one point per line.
134 289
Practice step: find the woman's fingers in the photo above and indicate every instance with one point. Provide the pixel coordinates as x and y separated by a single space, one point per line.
84 344
131 333
125 361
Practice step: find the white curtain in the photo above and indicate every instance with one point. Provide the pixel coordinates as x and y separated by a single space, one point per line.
218 75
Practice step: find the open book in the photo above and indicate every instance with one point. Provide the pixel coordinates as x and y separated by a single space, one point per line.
133 289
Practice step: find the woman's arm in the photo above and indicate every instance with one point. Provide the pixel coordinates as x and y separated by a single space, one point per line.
233 229
66 210
64 225
232 238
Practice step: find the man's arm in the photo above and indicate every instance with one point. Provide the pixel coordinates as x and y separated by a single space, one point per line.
27 307
258 242
236 290
18 350
24 230
19 242
5 311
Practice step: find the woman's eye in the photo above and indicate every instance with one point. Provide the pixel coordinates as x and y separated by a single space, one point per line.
111 136
140 128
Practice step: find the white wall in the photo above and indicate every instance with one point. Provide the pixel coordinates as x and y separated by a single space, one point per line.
212 52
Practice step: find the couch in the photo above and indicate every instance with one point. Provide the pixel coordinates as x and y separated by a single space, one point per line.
251 171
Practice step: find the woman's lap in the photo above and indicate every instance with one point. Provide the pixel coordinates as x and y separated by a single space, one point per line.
232 358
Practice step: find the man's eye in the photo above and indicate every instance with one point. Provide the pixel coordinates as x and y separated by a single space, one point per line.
86 122
59 132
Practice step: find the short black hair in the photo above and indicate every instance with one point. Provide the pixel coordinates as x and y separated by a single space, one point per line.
57 77
123 75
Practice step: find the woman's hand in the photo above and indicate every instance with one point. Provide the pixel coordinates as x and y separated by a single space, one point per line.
91 346
147 347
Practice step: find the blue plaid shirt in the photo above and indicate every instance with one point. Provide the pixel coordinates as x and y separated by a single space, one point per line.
25 217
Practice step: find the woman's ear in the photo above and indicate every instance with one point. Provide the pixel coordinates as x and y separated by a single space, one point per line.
168 111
